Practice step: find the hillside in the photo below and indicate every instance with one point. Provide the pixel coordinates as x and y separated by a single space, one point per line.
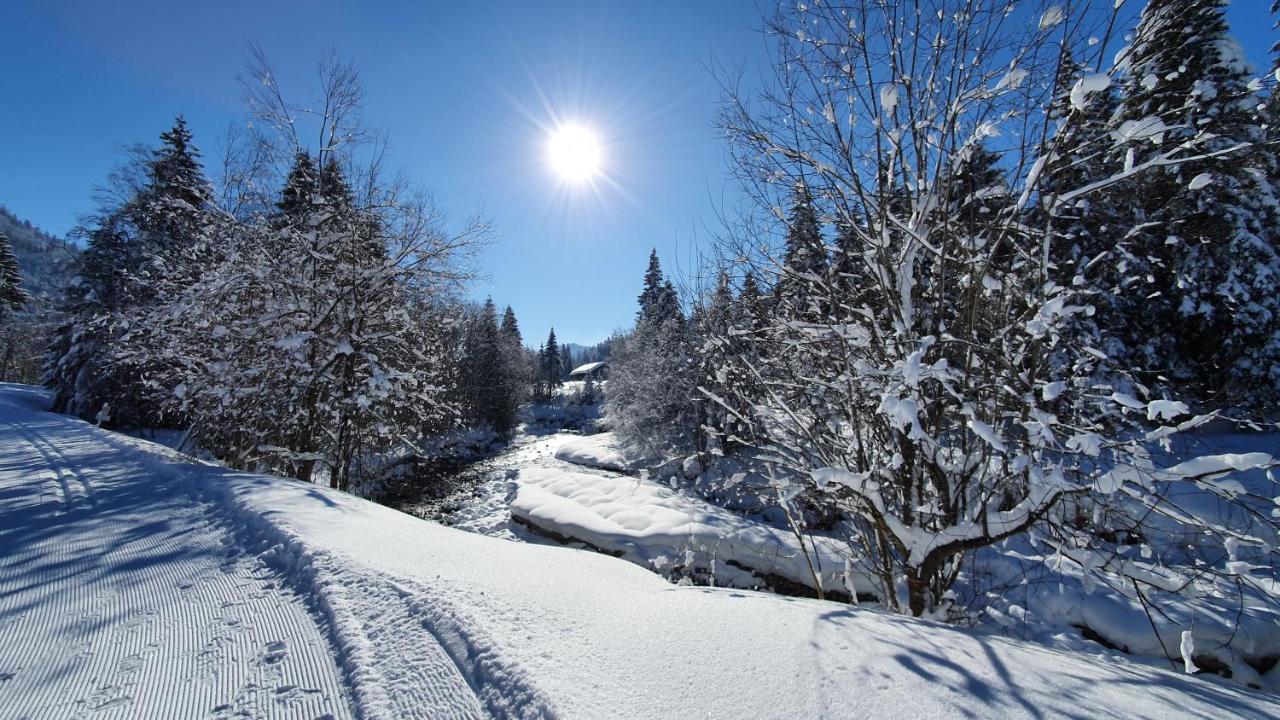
47 262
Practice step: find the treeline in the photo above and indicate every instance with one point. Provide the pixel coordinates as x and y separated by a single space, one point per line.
45 265
497 373
978 294
303 317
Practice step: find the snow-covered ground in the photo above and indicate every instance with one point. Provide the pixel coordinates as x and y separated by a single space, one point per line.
140 584
120 596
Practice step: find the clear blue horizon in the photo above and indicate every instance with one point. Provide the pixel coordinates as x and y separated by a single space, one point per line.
466 92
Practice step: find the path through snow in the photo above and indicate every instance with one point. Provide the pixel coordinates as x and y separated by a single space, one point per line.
121 595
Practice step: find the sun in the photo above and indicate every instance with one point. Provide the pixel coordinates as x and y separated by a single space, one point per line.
574 153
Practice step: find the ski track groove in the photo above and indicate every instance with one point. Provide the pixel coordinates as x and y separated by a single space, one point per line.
406 649
123 599
60 468
401 655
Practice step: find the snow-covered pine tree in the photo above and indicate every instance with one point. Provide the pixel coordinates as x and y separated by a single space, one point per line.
511 327
141 254
652 399
845 269
18 330
566 361
551 367
652 284
487 386
516 359
718 421
12 296
1086 228
299 186
1207 321
1271 109
805 263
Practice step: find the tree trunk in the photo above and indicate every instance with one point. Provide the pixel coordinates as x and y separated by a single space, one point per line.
917 588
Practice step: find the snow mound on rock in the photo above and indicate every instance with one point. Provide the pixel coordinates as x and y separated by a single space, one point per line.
595 451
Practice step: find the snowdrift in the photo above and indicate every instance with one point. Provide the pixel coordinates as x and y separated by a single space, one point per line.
595 451
659 528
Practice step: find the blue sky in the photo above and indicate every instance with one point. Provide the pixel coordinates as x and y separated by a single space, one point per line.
465 90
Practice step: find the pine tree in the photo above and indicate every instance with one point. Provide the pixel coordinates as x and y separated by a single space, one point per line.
488 389
510 327
667 307
718 383
1083 229
1271 109
515 359
847 268
653 289
1205 320
299 187
12 296
805 263
172 213
566 361
653 401
979 193
104 364
552 365
751 304
23 323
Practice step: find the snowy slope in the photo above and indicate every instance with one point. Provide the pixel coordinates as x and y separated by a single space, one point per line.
412 608
47 263
119 597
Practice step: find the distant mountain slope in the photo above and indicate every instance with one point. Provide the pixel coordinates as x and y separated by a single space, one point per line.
589 353
47 262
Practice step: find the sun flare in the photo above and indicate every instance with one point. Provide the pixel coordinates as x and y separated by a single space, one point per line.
574 153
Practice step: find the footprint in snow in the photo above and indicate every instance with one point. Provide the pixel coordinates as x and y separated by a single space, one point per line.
275 652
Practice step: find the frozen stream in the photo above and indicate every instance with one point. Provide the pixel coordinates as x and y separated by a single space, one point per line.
478 496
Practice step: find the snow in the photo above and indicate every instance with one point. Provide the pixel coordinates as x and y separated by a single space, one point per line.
889 98
1213 465
138 583
1166 409
988 435
1188 648
587 368
1148 128
599 451
120 596
1052 390
1011 80
656 526
1087 85
1200 181
1051 17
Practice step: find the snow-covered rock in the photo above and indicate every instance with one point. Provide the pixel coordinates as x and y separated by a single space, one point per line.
599 451
656 526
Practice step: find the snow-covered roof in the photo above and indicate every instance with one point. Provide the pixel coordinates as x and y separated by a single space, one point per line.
588 368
